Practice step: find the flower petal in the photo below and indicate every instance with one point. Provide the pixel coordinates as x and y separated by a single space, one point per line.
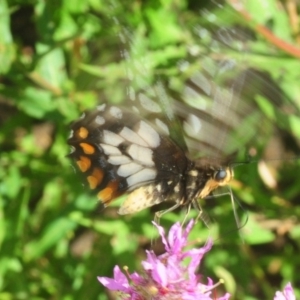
287 294
174 237
161 232
170 275
159 274
118 283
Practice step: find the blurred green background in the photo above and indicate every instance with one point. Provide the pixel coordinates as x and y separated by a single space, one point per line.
59 58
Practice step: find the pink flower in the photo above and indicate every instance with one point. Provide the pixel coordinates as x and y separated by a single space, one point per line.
166 276
287 294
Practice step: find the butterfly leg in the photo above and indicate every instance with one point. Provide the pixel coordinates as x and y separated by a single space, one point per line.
201 213
188 209
160 213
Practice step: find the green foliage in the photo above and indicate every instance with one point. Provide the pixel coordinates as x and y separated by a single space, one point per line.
59 58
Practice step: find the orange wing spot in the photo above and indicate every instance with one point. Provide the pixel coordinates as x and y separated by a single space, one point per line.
82 132
87 148
109 193
83 163
95 179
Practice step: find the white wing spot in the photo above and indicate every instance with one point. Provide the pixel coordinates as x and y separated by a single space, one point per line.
193 173
132 137
112 138
101 107
110 150
183 65
148 134
201 81
194 98
71 133
144 175
149 104
193 125
100 120
82 116
158 187
72 149
131 93
141 154
119 160
128 169
162 126
116 112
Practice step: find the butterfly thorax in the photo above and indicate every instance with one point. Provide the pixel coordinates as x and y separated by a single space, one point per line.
202 179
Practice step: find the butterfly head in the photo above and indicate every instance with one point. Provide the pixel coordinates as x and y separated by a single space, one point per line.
215 177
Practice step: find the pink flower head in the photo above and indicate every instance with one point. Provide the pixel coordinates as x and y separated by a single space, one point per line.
167 276
287 294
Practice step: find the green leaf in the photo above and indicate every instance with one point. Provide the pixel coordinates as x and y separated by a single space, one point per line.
51 68
7 50
255 234
49 237
36 103
295 124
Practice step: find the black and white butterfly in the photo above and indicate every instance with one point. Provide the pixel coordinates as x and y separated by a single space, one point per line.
172 139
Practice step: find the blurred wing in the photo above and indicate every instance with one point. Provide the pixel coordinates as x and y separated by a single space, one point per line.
202 107
212 102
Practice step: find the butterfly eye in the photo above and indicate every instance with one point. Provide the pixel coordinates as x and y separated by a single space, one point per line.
220 175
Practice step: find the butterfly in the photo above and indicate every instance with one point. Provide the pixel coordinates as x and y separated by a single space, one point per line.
119 152
170 141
